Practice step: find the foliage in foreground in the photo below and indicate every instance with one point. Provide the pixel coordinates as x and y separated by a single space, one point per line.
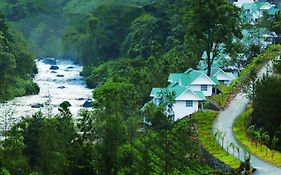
266 107
248 136
108 140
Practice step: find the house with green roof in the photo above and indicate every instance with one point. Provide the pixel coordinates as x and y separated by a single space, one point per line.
254 10
195 80
222 76
239 3
190 89
186 100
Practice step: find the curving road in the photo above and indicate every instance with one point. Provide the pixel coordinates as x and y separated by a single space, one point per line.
224 123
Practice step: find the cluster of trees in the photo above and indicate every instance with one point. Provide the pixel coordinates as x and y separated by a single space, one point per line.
17 65
47 20
128 47
108 140
158 38
263 138
266 111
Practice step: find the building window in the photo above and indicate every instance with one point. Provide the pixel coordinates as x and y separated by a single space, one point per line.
204 88
189 103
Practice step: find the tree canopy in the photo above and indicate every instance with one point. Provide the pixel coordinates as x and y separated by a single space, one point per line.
214 26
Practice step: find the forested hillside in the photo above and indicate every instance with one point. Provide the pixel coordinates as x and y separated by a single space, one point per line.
17 65
126 47
47 20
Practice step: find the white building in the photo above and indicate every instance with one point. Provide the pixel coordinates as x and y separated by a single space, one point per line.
239 3
194 80
253 11
222 76
186 100
190 89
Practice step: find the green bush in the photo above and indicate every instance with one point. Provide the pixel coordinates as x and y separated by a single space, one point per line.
212 106
31 88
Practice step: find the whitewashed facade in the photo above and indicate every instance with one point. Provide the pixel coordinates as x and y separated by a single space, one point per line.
204 84
239 3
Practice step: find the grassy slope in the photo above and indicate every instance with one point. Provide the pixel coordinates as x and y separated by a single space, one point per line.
242 137
204 121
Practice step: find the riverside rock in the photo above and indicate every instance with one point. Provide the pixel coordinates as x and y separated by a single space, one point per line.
54 67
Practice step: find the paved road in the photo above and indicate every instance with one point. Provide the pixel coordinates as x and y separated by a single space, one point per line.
224 123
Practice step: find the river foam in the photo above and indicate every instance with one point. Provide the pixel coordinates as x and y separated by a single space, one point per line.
56 86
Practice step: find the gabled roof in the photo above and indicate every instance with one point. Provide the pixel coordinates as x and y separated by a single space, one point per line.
173 87
215 70
200 94
175 77
257 6
273 10
215 80
187 79
251 6
177 89
189 70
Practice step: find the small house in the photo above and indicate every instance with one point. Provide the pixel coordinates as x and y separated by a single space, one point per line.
186 100
194 80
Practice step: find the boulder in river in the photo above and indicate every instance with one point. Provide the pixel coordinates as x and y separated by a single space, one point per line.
60 75
88 104
69 68
54 72
54 67
61 87
37 105
50 61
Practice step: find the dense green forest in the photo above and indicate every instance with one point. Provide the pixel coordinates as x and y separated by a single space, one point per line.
126 47
266 120
47 21
109 140
17 66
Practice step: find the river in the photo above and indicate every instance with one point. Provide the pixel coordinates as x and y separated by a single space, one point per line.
56 86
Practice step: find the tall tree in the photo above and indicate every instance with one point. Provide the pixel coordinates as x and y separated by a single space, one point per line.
213 27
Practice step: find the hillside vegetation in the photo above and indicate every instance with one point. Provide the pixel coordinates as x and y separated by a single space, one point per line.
17 65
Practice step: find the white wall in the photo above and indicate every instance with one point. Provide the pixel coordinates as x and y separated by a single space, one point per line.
181 110
221 76
202 80
197 87
240 2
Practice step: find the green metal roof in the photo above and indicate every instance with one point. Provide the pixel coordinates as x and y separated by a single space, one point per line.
214 70
173 87
187 79
273 10
252 6
215 80
200 94
177 89
175 77
189 70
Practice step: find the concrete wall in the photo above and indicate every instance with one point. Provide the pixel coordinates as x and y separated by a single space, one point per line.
214 162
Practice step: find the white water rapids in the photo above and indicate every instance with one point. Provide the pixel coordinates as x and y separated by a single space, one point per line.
56 86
